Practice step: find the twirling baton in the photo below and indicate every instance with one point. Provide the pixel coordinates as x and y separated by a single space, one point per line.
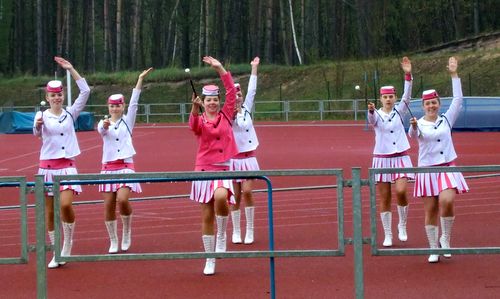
411 114
188 71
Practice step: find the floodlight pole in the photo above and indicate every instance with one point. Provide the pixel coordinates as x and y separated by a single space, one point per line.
68 86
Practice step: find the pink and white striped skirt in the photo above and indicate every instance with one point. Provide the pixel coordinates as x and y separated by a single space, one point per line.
135 187
392 162
246 164
203 191
431 184
48 176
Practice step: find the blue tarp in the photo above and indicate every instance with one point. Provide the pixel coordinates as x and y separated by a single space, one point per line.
477 113
14 122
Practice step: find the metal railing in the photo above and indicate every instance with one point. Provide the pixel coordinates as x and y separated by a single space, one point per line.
357 240
484 108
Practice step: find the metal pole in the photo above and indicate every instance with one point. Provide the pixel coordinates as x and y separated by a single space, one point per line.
271 236
358 233
41 270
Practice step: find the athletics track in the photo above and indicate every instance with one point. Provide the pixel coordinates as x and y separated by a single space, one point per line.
303 220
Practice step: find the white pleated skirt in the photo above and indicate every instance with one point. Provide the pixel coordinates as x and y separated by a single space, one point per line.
203 191
246 164
431 184
134 187
392 162
48 177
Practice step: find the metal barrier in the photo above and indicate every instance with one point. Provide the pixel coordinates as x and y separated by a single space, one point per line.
88 179
357 241
420 251
19 182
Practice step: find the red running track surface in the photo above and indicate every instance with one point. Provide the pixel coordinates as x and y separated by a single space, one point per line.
303 220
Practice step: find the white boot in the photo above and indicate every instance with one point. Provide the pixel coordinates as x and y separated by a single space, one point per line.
446 226
432 232
126 232
221 243
249 214
236 218
113 236
209 245
68 230
403 217
52 264
386 218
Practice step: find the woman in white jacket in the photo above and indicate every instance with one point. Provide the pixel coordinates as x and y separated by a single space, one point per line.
117 157
56 128
391 151
245 160
433 132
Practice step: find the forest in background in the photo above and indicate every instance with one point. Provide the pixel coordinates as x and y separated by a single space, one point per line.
117 35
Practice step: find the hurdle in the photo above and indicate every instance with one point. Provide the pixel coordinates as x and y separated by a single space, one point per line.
19 182
91 179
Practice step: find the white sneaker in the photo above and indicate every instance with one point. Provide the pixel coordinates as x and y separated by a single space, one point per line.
249 237
53 264
445 244
236 238
433 258
209 267
113 246
387 241
402 236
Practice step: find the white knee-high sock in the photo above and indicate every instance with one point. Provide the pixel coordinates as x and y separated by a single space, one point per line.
126 232
113 236
221 242
68 231
403 218
249 214
386 218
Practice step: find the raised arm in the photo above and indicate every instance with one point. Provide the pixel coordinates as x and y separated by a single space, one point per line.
252 84
134 99
456 104
84 94
227 80
403 105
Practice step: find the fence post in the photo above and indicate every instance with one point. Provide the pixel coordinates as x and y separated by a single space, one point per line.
147 110
41 262
321 109
358 233
183 111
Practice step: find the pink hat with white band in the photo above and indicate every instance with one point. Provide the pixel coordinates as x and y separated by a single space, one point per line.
54 86
116 99
387 90
210 90
429 94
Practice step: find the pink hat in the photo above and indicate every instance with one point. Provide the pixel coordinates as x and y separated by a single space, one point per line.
54 86
237 86
116 99
429 94
210 90
387 90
